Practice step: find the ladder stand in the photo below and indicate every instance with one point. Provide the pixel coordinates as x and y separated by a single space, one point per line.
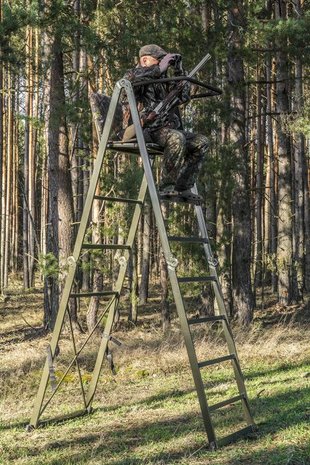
147 152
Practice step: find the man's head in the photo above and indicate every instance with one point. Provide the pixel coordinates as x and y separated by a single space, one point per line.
151 55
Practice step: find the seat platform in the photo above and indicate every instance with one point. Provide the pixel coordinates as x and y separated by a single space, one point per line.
133 147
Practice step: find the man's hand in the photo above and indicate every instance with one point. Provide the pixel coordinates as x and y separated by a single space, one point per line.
166 61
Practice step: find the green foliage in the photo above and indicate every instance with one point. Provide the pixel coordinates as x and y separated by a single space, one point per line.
300 122
14 17
48 265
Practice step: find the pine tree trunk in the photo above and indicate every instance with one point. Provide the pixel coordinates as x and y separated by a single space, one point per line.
133 307
145 269
59 237
241 254
224 228
285 214
258 257
1 154
164 293
97 278
7 189
271 201
29 170
301 188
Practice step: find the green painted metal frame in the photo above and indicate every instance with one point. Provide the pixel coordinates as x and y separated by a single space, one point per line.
147 183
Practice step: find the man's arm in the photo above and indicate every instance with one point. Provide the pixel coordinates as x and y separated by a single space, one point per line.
143 72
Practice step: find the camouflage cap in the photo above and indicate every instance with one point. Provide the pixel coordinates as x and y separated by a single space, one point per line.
153 50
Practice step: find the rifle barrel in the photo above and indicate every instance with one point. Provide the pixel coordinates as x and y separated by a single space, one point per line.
200 65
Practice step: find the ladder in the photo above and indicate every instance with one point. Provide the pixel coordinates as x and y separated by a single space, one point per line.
147 152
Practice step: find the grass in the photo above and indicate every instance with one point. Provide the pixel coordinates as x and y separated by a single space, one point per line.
148 412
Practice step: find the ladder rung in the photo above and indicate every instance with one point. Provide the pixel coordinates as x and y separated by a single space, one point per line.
232 400
238 434
117 199
193 279
105 246
213 361
205 319
94 294
198 240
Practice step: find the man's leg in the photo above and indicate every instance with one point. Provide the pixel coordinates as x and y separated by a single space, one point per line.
196 149
174 144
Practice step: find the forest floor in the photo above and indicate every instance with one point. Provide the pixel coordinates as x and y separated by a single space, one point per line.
148 413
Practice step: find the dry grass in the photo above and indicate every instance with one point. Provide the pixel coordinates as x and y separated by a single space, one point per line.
148 412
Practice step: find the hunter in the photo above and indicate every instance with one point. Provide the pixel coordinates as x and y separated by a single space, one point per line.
183 151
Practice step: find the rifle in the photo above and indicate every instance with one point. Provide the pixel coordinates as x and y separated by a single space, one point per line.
168 102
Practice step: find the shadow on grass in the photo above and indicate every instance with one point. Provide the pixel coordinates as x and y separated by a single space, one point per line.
154 401
23 334
127 441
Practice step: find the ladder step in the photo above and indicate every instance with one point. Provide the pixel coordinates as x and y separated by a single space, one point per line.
246 431
94 294
213 361
106 246
205 319
232 400
118 199
193 279
198 240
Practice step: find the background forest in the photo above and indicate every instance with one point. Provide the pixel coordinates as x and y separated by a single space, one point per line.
255 182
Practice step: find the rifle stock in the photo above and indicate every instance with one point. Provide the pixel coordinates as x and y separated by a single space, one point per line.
130 131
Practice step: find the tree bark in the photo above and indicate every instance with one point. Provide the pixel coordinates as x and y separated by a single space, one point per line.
258 257
164 292
145 269
285 214
241 276
59 237
271 198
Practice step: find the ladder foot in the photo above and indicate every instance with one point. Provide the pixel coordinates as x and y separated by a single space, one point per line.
212 446
29 428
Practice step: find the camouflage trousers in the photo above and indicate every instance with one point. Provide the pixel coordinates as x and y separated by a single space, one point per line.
183 156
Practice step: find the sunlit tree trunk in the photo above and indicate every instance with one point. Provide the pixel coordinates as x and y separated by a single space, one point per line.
258 257
7 179
29 190
270 196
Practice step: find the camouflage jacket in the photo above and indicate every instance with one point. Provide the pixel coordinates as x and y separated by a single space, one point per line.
148 96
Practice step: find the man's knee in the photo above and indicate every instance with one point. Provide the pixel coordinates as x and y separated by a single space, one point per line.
176 139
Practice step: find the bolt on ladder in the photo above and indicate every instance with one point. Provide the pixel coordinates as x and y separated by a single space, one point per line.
48 374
